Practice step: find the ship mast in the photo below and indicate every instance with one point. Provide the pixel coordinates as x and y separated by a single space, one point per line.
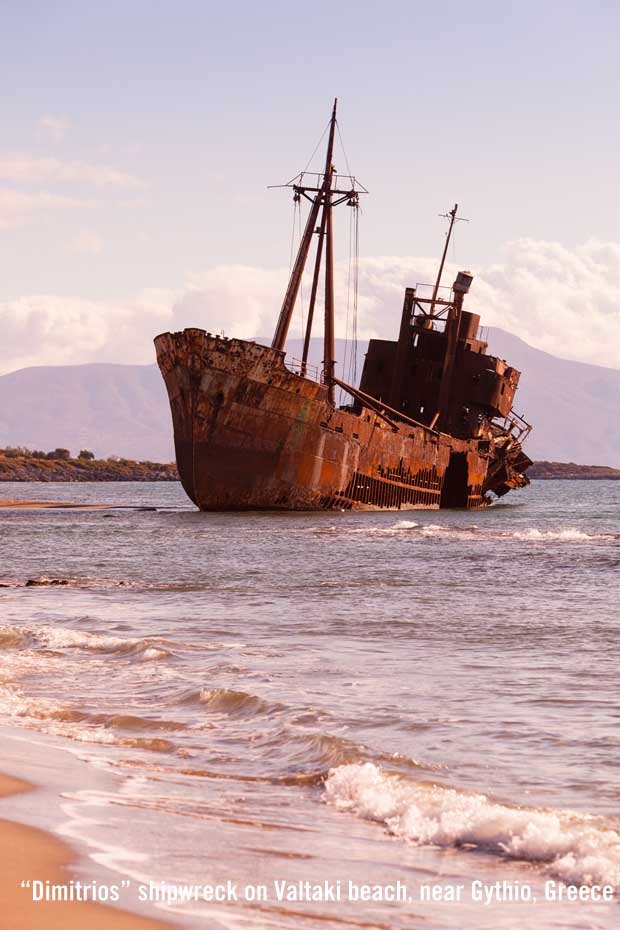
452 217
323 198
328 340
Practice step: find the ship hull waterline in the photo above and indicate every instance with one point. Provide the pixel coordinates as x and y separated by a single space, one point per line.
252 435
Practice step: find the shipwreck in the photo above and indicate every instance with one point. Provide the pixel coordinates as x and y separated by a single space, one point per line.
430 425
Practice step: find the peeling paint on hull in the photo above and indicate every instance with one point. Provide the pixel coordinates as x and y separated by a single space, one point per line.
252 435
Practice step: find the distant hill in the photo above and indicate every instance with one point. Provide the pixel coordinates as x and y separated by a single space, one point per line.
109 409
123 409
572 406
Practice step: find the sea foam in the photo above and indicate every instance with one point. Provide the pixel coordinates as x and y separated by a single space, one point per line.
572 847
473 531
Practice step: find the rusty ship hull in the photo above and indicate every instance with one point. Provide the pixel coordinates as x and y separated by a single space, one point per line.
252 435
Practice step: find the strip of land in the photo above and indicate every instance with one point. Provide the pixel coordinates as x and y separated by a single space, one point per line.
28 853
59 465
571 471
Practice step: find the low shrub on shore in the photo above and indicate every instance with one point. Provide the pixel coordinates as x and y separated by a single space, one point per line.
20 464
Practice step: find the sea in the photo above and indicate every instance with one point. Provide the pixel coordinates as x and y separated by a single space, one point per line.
280 707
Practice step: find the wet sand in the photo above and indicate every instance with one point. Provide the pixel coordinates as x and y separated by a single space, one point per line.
28 853
39 505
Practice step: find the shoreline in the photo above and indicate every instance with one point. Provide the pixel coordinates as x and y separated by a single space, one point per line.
30 853
21 466
17 504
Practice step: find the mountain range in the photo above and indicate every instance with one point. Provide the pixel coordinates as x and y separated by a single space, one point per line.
123 409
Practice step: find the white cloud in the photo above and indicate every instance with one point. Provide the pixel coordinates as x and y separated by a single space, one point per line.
45 329
53 127
564 301
239 299
87 242
25 169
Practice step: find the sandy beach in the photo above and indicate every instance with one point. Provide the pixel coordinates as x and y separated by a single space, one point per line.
26 852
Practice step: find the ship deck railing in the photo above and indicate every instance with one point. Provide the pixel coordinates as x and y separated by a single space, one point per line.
313 372
517 426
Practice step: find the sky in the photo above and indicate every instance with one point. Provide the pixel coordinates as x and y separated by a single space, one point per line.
139 140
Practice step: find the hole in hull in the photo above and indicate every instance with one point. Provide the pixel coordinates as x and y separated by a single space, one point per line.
455 489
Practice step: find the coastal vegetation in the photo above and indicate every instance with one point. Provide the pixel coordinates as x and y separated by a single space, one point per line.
20 464
568 470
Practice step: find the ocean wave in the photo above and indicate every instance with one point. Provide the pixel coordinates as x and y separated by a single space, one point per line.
12 638
567 535
19 705
85 726
577 849
365 531
237 703
528 535
61 638
472 531
150 647
108 737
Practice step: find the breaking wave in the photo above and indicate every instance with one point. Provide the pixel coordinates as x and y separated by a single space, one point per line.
237 703
574 848
65 638
474 532
148 648
532 535
568 535
87 727
12 638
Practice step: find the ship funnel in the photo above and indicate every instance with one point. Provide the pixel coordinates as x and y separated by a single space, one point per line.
463 282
